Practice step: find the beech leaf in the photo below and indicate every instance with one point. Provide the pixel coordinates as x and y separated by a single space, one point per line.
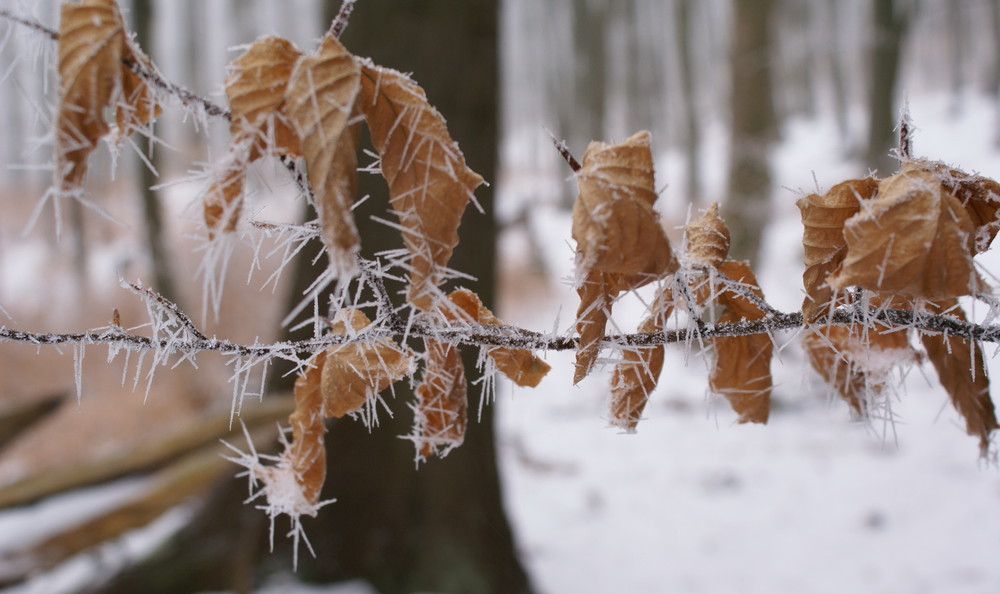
429 183
441 410
742 366
521 366
91 44
824 246
320 101
979 195
636 376
962 372
915 239
707 239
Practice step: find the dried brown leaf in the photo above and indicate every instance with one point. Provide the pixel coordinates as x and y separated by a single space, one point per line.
91 44
614 224
320 101
596 292
742 370
979 195
856 362
708 238
521 366
138 106
914 239
636 376
429 183
306 454
962 372
256 88
823 242
356 372
222 203
441 411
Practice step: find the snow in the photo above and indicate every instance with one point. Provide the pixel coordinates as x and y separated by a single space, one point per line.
814 502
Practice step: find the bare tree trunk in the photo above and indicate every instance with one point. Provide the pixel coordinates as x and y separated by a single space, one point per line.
754 127
685 31
890 20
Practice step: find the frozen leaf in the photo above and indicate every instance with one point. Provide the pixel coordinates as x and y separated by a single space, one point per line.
259 126
962 371
824 246
521 366
979 195
429 182
256 87
707 239
636 377
320 101
856 362
138 106
306 455
441 411
614 224
91 44
620 243
914 239
742 369
356 372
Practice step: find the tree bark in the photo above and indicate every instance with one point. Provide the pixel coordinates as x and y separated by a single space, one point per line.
754 127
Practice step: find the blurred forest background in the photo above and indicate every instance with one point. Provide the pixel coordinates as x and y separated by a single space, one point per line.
716 81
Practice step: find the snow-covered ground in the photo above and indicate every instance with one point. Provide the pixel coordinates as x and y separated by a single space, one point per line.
811 503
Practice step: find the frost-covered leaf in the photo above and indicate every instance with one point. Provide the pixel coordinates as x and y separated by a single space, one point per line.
742 365
256 87
620 243
305 456
636 376
320 102
962 372
979 195
138 105
429 183
855 361
356 372
824 246
91 44
707 239
521 366
614 224
441 410
914 239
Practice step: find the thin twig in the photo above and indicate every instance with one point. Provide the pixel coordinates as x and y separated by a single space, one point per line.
30 23
343 17
564 151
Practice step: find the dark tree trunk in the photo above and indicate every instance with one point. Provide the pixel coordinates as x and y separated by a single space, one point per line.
685 31
754 127
890 21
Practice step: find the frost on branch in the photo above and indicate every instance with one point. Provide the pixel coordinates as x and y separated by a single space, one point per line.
620 243
429 182
92 79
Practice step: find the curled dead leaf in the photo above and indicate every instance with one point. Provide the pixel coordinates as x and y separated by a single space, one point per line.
521 366
979 195
915 239
138 105
441 410
742 365
962 372
429 183
596 292
615 225
855 362
636 376
306 454
707 239
824 246
91 45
